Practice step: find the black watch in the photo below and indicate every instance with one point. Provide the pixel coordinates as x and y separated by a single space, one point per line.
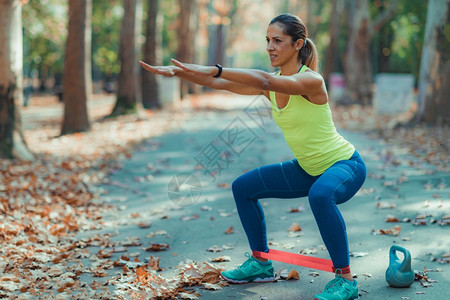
219 72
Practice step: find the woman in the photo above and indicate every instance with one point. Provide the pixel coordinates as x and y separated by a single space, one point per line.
326 168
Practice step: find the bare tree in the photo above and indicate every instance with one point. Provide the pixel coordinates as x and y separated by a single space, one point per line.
77 81
12 143
334 28
434 87
186 33
128 52
150 88
358 72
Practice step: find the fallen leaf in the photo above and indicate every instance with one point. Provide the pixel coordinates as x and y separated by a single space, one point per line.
131 241
314 274
288 246
392 231
144 224
391 219
211 286
221 258
229 230
283 274
420 222
188 296
295 227
214 249
358 254
206 208
211 274
160 232
104 253
384 205
293 275
297 209
153 263
293 234
187 218
157 247
119 249
227 246
311 250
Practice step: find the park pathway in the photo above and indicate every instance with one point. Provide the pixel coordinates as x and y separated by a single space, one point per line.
164 197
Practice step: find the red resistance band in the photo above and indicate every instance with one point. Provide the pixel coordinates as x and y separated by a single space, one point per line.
301 260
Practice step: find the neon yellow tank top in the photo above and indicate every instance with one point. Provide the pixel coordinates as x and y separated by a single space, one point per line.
310 133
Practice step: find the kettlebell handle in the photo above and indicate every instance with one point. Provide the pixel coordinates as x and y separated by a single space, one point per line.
404 266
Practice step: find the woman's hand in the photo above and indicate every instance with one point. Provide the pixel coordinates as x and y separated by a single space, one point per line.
195 69
168 71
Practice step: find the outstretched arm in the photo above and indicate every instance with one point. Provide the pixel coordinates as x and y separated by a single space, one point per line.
306 83
208 81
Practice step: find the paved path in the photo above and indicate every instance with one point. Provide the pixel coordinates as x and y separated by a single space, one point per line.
142 186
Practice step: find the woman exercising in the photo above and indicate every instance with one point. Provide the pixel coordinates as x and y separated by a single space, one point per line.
326 168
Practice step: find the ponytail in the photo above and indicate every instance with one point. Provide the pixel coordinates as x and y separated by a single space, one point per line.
308 55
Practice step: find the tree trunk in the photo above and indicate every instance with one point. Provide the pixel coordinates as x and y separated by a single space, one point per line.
150 88
128 49
12 143
358 74
358 71
186 32
77 81
434 87
331 52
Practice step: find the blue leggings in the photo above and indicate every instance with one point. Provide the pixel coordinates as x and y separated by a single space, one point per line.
336 185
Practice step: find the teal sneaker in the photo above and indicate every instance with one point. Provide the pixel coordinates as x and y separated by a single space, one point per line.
252 270
339 289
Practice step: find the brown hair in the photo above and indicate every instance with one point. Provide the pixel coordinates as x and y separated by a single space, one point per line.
296 29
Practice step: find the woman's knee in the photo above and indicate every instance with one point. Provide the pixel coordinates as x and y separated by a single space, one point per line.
238 185
319 197
241 186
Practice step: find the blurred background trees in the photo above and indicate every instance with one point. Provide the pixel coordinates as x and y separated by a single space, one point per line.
357 39
129 42
152 55
434 83
12 143
77 79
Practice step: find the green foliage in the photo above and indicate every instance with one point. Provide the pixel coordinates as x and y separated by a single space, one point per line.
106 23
395 48
45 32
44 28
170 10
403 52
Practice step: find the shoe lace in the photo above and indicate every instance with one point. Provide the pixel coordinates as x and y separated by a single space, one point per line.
253 267
335 286
245 263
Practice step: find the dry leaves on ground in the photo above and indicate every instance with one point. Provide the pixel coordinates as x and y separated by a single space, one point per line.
392 231
428 144
45 203
288 275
